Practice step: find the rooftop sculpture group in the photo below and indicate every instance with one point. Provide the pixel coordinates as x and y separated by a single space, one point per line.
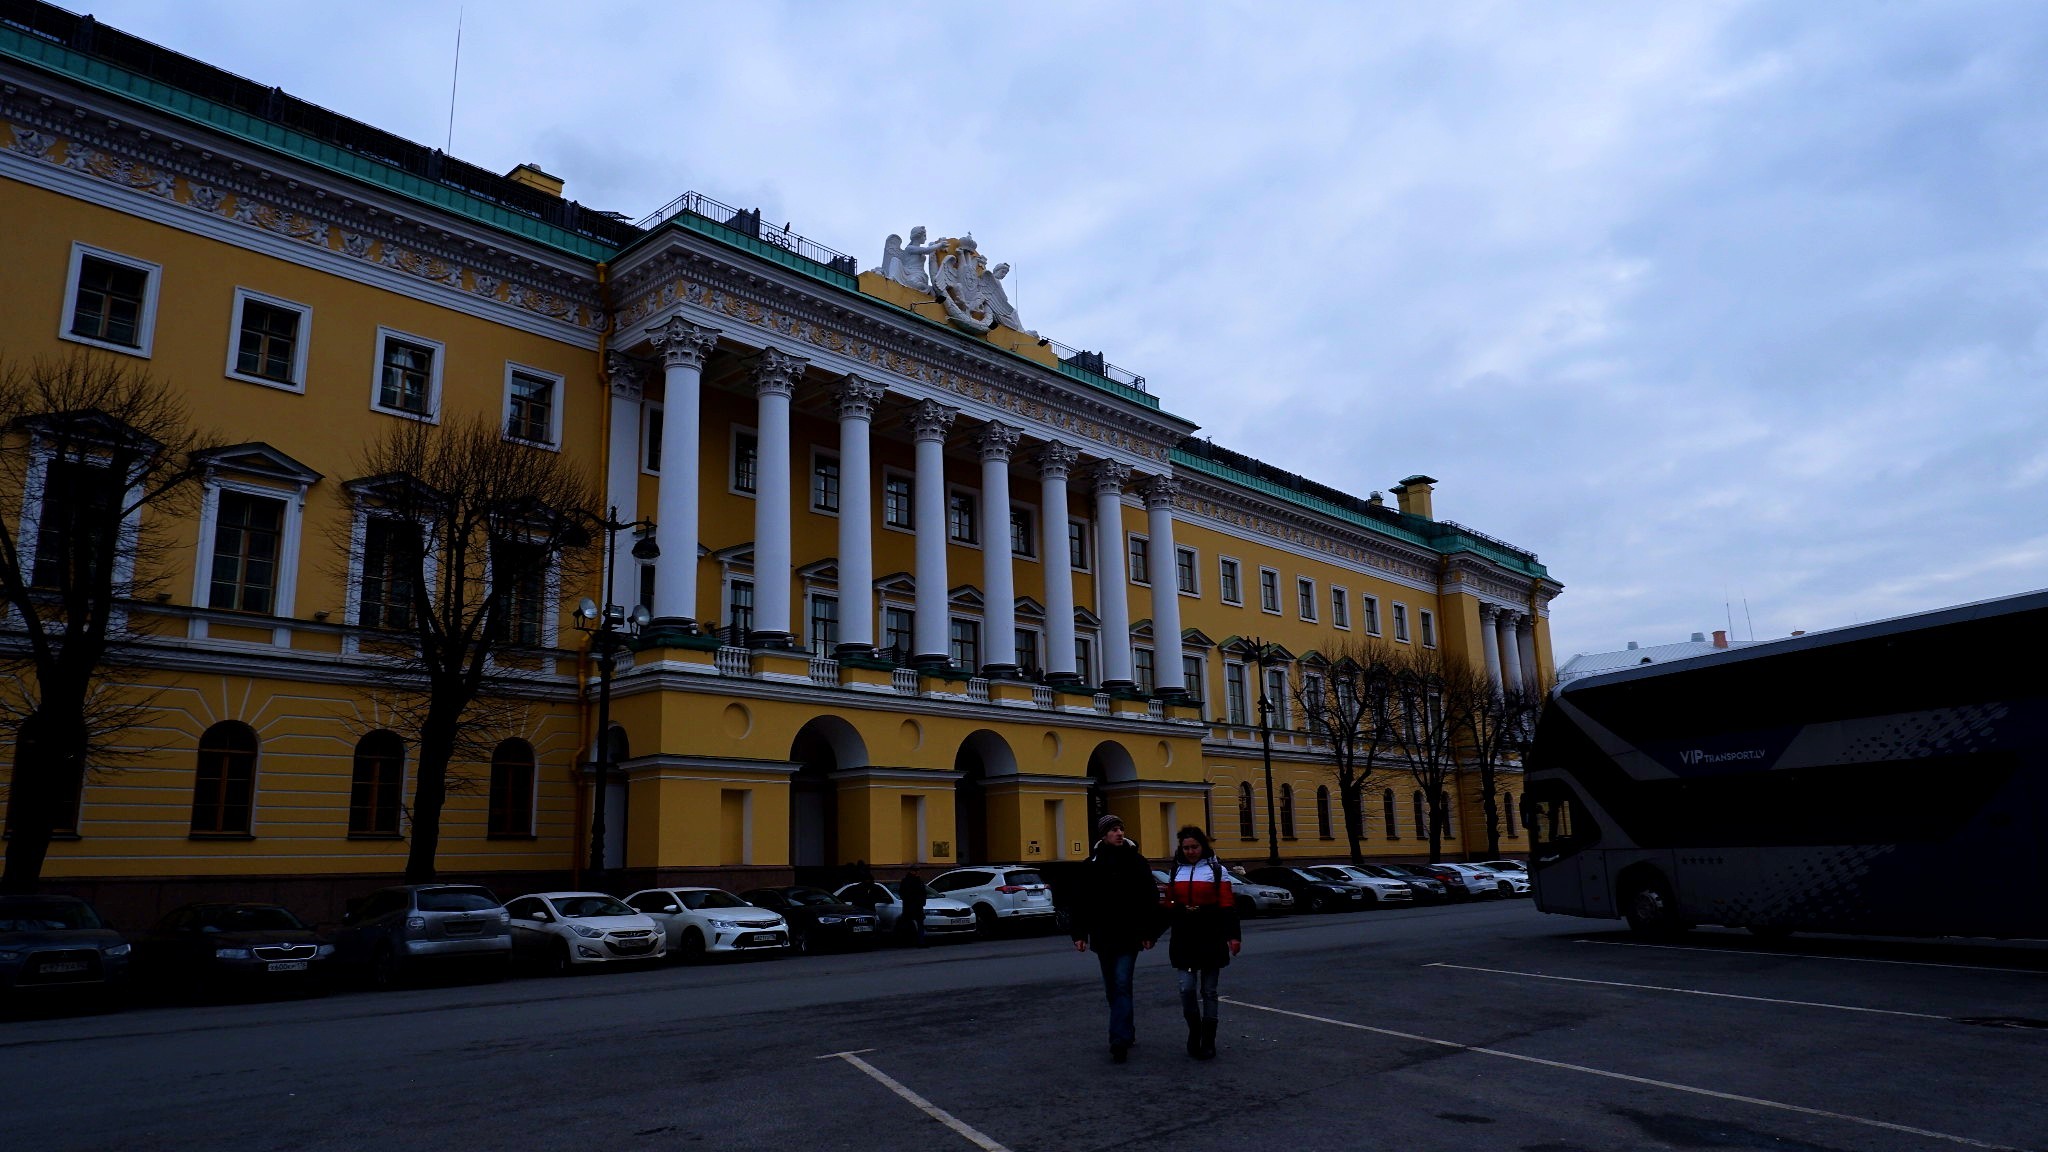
953 271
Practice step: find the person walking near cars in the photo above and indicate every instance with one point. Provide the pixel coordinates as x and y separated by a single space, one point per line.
914 894
1118 916
1202 915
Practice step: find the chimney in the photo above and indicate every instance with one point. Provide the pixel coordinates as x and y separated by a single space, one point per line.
1413 494
1631 645
1376 500
1699 637
1720 638
530 176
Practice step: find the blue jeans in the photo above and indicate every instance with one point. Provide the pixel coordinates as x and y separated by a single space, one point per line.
1198 992
1117 969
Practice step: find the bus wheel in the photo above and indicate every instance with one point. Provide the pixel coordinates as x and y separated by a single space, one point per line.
1650 907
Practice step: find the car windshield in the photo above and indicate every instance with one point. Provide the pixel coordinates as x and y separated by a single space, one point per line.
45 914
455 900
246 918
578 907
1330 872
696 900
1022 877
809 896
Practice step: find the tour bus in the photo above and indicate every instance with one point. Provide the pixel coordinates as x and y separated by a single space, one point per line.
1886 779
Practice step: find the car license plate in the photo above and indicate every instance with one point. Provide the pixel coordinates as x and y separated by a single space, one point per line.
761 938
863 927
52 967
287 965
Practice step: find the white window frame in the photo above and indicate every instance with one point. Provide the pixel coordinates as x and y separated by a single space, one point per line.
1425 625
1139 574
29 537
882 500
550 615
1194 570
1244 682
145 324
973 496
732 459
1088 654
648 411
361 514
811 598
1370 607
297 384
1282 714
1038 644
1087 562
433 413
1276 609
1340 607
819 454
1400 622
561 394
1137 681
980 639
1305 598
1200 687
1223 585
284 602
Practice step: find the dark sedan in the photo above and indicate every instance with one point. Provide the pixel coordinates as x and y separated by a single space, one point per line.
817 919
1311 891
227 948
57 944
1429 888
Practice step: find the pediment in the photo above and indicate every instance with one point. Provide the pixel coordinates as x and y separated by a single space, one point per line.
1195 638
898 584
965 596
259 459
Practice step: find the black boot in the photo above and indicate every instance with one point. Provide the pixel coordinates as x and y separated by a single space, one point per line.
1195 1040
1208 1051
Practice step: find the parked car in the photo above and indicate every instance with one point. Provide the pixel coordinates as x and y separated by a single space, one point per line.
698 922
943 915
1378 889
1260 899
397 932
562 931
58 944
1000 894
1505 866
227 948
1512 873
1429 887
1466 881
817 919
1313 892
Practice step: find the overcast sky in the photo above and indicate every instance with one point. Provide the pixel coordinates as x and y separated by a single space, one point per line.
1703 303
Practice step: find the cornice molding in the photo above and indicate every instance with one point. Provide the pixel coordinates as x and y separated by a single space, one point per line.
1222 507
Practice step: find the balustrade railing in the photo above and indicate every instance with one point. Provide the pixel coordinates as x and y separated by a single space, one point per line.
1102 703
1041 696
977 690
735 662
825 671
904 680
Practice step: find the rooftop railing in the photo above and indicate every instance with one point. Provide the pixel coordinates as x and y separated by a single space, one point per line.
747 222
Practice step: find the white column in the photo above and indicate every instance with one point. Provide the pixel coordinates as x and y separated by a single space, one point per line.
1169 678
1525 643
622 475
858 400
1510 652
1489 643
1054 462
1112 597
775 378
929 423
998 578
684 347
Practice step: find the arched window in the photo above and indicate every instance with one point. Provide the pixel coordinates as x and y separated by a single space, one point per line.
512 789
1392 813
1507 807
1244 812
224 791
1421 816
1287 810
1443 807
1323 828
376 785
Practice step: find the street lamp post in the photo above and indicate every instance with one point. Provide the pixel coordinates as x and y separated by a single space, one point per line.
1266 752
609 628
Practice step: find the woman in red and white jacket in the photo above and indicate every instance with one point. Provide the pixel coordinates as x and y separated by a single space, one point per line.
1203 916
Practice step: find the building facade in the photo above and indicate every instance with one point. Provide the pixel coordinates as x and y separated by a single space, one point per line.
930 588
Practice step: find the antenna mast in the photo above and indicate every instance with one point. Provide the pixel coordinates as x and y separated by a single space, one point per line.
453 79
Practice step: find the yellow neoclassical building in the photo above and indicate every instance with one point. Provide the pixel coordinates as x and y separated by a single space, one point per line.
930 588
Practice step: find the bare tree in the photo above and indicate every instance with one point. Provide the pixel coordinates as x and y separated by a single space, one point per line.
1430 719
465 541
1498 723
97 457
1347 705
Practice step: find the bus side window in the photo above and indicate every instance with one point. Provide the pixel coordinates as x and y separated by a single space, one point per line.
1556 827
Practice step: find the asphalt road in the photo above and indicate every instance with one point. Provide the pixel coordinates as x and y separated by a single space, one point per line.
1484 1027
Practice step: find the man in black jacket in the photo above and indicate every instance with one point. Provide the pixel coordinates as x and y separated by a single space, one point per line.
1118 915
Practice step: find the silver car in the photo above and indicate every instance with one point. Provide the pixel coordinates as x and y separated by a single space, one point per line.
1378 889
943 915
395 932
57 943
1012 894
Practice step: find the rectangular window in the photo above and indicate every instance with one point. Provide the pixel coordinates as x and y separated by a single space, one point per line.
519 579
112 300
1305 595
1084 659
898 630
1427 620
1370 605
962 523
739 608
1236 702
652 438
746 462
1027 650
824 624
1230 581
248 537
1140 559
1141 668
1276 695
1401 622
1312 693
1194 672
824 482
897 501
408 374
1340 607
1077 545
530 407
269 341
1269 591
1023 537
391 556
965 637
1184 572
81 504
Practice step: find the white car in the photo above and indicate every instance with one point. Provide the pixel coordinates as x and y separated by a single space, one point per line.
943 915
1379 889
1482 881
1264 899
698 922
564 930
999 894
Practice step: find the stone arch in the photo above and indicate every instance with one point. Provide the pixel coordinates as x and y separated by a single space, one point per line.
982 756
823 746
1110 763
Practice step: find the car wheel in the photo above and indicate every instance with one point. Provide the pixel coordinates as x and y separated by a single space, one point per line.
985 920
1316 902
800 942
693 947
1506 889
1651 908
1372 898
386 970
558 962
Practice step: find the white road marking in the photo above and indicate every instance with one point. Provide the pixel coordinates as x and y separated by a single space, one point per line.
1812 956
923 1105
1602 1072
1693 992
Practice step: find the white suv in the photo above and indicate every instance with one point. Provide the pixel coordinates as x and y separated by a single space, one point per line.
999 894
1380 889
